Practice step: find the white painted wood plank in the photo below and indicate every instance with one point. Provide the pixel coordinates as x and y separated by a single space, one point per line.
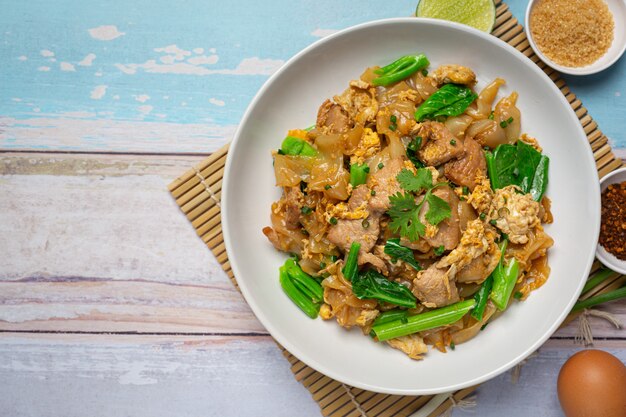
98 226
100 375
121 376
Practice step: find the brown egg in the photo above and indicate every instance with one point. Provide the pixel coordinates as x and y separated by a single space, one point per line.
592 383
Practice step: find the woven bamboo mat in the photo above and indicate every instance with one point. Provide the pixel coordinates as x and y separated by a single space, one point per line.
198 194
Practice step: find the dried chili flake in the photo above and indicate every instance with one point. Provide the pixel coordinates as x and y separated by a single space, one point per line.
613 227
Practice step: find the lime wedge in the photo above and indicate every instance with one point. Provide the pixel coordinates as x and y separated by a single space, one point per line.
480 14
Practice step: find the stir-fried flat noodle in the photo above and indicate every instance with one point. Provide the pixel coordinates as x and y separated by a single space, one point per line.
372 131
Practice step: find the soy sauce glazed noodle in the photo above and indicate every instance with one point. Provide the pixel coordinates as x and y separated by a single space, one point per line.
413 208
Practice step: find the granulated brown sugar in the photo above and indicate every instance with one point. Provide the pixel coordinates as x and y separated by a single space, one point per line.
572 33
613 226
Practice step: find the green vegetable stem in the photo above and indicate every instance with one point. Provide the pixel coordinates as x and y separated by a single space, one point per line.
375 286
481 298
358 174
298 297
400 69
350 268
304 281
423 321
449 100
504 278
296 146
391 315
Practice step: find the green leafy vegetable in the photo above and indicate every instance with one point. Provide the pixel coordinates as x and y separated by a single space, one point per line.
423 321
520 165
404 212
311 286
394 249
411 151
350 268
449 100
373 285
296 146
439 250
400 69
481 297
358 174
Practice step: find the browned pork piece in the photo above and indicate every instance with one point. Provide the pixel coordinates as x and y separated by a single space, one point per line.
332 117
438 144
434 287
447 233
292 200
468 168
384 184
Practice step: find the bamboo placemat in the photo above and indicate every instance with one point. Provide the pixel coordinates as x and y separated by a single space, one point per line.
198 194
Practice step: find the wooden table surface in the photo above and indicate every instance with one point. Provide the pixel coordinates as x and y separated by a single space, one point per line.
109 303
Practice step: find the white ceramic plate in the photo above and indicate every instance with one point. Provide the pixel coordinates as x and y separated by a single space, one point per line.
290 99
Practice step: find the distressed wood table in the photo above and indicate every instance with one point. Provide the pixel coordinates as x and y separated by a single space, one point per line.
109 303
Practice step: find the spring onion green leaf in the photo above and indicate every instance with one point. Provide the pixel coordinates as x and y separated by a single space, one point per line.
449 100
597 279
423 321
350 268
400 69
600 299
375 286
394 249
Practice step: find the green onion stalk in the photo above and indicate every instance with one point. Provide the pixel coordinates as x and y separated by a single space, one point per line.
358 174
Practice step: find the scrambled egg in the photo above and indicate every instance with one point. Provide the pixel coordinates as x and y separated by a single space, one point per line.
341 211
368 146
482 195
515 214
475 241
366 317
298 133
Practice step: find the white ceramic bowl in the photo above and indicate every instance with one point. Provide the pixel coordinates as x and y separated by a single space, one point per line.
608 259
290 99
616 50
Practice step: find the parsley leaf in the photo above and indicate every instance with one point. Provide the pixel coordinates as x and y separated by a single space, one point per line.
394 249
415 182
404 215
438 209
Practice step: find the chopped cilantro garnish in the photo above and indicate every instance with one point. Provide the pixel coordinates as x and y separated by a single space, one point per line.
439 250
404 212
